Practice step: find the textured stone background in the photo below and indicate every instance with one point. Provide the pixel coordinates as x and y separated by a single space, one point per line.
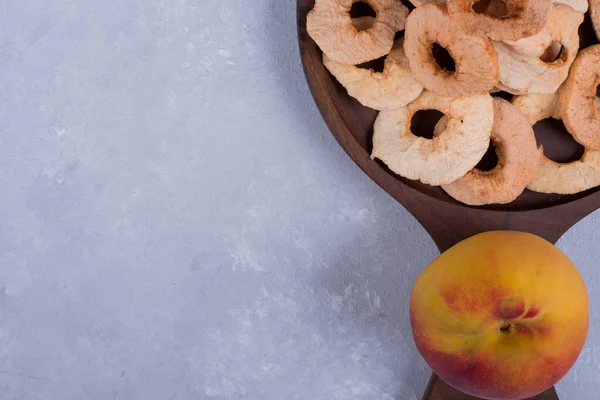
176 222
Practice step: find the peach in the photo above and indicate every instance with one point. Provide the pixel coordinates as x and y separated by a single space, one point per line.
502 315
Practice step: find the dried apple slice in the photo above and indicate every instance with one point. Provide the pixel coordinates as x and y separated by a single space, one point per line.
578 100
518 159
330 26
394 87
445 158
476 62
522 74
501 20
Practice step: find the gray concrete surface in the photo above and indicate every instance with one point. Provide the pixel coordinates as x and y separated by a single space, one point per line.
176 222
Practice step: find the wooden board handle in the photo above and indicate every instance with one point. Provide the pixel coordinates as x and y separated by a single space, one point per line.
448 223
440 390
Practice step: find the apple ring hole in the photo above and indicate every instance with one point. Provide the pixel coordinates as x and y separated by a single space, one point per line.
556 52
598 97
506 328
377 65
362 9
559 144
489 160
503 95
423 123
492 8
443 58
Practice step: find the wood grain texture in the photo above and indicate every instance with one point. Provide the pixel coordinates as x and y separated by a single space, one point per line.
440 390
446 220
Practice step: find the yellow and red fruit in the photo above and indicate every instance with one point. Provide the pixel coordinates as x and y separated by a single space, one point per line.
502 315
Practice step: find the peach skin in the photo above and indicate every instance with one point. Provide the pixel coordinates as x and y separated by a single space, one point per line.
502 315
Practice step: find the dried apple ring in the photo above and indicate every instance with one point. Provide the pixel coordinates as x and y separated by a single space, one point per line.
518 156
595 14
538 46
476 63
569 178
440 127
445 158
330 26
581 6
501 19
522 74
553 177
418 3
394 87
578 101
536 107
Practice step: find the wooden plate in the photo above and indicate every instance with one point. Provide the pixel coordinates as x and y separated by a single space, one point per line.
446 220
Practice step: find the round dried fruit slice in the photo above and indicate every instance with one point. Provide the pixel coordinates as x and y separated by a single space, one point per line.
578 100
521 73
536 107
595 14
330 26
445 158
394 87
553 177
518 159
418 3
476 63
537 46
440 127
581 6
501 20
569 178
